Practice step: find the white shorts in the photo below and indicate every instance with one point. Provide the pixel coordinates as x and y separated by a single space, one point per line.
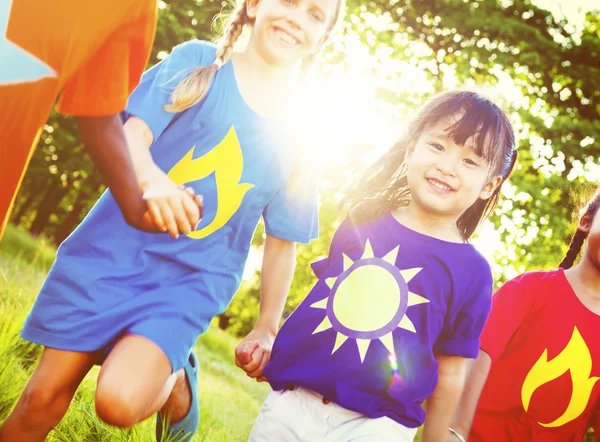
303 415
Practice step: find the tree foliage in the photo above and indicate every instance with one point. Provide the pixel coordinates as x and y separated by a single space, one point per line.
555 70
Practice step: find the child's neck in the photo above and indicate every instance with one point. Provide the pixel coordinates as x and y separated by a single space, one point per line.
415 219
584 278
265 88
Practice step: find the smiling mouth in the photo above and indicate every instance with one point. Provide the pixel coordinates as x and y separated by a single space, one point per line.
440 185
285 37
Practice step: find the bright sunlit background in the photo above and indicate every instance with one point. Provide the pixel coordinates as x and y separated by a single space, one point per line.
349 119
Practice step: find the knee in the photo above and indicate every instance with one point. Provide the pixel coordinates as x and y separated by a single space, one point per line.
117 407
45 403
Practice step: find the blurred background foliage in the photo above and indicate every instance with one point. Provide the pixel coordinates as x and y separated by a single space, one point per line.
542 64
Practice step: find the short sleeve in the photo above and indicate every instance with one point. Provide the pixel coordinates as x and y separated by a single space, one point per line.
464 322
510 305
154 91
292 214
101 86
344 237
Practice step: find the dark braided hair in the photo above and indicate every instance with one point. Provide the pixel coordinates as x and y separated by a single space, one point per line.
580 235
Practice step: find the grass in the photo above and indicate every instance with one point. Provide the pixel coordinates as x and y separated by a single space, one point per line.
229 400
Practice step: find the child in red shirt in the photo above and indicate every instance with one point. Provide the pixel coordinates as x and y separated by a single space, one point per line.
538 369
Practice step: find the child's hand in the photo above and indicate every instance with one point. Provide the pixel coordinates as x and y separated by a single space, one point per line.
170 208
253 353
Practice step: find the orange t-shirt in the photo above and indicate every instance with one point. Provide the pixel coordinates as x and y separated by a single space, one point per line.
95 52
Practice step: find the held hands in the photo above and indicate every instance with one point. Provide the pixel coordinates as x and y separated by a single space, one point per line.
253 353
170 208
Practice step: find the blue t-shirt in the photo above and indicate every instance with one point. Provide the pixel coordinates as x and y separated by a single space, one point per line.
388 299
244 165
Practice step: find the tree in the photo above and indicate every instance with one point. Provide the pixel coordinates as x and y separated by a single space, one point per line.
550 78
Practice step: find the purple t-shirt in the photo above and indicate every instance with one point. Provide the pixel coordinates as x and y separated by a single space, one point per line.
387 300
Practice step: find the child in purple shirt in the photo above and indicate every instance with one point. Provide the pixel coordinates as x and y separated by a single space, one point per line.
402 297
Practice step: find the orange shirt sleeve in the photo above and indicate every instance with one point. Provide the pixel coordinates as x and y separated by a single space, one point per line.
103 85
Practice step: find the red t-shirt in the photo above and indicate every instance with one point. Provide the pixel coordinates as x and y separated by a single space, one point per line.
545 350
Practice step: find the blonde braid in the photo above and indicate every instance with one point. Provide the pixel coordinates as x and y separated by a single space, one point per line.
196 85
236 24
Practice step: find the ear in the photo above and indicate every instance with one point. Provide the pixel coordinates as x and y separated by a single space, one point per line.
585 223
490 187
251 7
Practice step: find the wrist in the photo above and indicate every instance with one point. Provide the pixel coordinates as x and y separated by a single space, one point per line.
145 170
267 325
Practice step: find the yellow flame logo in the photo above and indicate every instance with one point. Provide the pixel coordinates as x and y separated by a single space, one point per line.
575 358
227 163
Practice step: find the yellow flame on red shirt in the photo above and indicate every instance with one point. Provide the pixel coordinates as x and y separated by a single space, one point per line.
576 359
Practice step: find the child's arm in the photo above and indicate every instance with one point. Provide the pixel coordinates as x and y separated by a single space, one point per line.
121 155
279 261
510 307
441 404
465 411
105 141
176 211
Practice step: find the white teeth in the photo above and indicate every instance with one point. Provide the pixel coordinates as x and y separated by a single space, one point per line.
440 185
285 37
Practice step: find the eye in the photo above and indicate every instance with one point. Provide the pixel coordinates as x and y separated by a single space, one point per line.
317 16
287 2
437 147
470 162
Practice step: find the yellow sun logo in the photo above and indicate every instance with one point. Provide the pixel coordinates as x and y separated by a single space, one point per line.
368 300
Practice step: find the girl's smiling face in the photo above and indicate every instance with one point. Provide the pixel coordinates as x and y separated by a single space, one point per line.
286 31
446 178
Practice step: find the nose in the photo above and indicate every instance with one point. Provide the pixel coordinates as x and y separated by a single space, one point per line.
447 165
294 18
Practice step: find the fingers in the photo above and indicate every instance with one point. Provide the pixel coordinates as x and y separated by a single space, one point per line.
169 218
176 204
189 190
265 355
193 206
154 211
192 211
199 200
147 224
243 353
252 358
177 213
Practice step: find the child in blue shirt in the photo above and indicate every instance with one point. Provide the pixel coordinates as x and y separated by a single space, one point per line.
217 122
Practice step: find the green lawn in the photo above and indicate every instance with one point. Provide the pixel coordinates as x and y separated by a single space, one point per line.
229 400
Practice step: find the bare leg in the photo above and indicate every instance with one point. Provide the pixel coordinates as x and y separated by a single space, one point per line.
135 382
178 404
47 395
